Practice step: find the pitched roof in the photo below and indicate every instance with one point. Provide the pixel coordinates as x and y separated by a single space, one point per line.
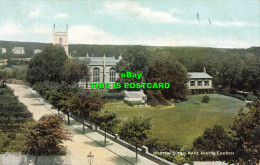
134 94
18 48
99 60
198 75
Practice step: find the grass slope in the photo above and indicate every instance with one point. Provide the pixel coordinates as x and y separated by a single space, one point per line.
187 120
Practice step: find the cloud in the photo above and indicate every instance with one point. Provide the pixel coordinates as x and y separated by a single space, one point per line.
232 24
17 32
41 29
85 34
61 15
35 13
10 28
133 10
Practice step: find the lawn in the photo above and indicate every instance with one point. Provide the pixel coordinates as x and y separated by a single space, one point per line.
187 120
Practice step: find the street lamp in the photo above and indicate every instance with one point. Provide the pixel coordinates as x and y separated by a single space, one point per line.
90 158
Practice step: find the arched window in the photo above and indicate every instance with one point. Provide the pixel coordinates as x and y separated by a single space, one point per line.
60 41
112 75
96 75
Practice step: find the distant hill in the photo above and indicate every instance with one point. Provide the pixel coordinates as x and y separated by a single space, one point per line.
115 50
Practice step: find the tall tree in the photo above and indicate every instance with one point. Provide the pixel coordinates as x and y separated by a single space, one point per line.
47 65
215 139
136 131
61 98
107 121
135 60
74 71
245 124
164 68
85 104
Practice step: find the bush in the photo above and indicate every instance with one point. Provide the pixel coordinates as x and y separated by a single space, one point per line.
151 99
177 101
118 96
251 97
132 103
156 97
47 137
205 99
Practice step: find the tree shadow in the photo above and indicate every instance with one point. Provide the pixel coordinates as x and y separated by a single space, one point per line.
124 160
98 143
43 160
37 104
32 95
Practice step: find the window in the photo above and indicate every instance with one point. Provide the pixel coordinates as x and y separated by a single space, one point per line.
112 75
96 75
60 41
192 83
199 83
206 83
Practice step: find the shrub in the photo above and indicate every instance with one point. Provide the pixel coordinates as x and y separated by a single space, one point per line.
251 97
151 99
129 103
205 99
47 137
118 96
177 101
238 96
132 103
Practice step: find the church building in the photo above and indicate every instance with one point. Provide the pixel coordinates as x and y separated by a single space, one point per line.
61 38
101 69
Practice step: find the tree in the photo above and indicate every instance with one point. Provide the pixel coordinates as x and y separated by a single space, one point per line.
242 140
163 68
135 60
229 73
107 121
245 124
250 80
215 139
47 137
74 71
61 98
47 65
86 104
136 131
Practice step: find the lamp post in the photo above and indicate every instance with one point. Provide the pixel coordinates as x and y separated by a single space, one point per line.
90 158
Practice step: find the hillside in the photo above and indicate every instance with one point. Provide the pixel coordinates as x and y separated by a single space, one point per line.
115 50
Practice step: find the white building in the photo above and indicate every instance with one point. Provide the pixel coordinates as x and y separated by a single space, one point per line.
3 50
200 82
36 51
18 50
61 38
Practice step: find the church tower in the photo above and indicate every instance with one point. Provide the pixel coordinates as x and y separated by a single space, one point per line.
61 38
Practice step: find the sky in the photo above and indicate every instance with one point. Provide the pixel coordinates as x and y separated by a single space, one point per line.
202 23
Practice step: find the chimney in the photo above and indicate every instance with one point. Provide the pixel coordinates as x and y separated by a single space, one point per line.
204 70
